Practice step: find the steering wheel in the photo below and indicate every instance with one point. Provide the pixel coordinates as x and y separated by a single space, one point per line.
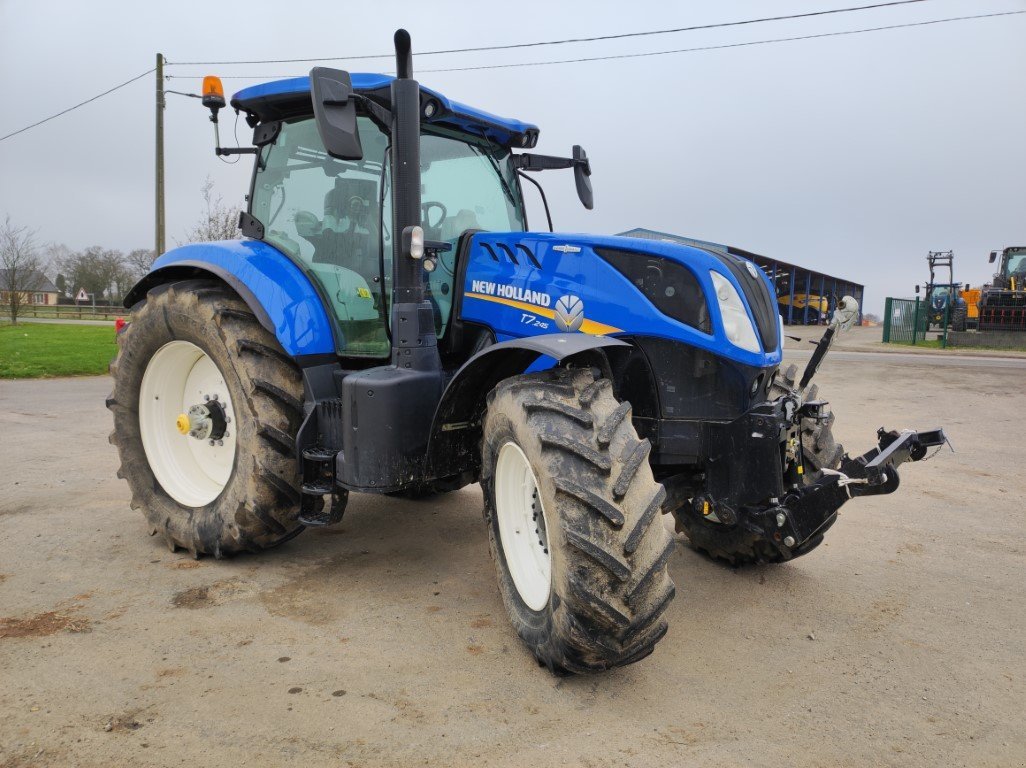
427 206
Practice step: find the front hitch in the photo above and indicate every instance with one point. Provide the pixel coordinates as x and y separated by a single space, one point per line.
798 521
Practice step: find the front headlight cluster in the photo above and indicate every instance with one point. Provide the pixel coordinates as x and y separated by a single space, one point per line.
736 323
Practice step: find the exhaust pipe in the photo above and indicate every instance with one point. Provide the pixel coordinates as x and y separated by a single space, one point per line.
414 345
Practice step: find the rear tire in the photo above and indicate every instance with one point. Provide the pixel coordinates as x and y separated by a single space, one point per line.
258 505
559 445
959 319
735 544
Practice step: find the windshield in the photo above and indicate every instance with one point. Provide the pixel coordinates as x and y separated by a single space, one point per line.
1017 263
335 217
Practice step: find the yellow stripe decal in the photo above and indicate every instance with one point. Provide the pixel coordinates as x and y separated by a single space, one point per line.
588 326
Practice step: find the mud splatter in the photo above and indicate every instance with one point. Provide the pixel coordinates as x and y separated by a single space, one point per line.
42 625
205 595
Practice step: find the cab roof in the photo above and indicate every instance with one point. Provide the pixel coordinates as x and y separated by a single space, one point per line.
283 99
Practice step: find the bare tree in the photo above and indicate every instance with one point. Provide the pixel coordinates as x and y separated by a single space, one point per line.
219 222
21 266
139 261
103 272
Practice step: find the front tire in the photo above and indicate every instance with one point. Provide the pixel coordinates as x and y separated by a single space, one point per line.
240 491
574 521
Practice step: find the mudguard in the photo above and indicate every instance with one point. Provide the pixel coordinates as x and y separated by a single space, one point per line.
453 428
284 299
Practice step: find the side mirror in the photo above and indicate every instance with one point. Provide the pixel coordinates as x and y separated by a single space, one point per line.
993 256
582 177
335 112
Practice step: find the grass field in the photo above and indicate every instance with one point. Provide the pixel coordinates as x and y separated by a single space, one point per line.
35 350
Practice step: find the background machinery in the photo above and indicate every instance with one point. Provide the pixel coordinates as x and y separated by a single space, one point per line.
943 301
390 325
1003 302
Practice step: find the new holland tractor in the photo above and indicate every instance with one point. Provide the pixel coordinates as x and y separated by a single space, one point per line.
945 305
390 325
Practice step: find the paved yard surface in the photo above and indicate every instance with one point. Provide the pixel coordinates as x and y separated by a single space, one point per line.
383 642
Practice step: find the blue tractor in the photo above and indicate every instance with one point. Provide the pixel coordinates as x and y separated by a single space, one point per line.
390 325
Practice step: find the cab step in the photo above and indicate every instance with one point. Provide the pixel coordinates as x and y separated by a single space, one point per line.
318 482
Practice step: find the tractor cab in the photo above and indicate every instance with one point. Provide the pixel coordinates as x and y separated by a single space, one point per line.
334 216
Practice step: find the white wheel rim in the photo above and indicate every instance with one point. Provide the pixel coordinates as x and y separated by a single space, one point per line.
523 526
192 471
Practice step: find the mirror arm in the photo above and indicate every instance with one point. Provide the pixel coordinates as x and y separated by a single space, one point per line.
531 162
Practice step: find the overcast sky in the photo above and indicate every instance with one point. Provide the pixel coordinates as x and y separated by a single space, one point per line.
851 155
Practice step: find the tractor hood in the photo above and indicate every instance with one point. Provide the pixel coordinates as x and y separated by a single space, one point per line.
527 283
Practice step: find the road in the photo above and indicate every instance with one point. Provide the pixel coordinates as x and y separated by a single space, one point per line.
383 642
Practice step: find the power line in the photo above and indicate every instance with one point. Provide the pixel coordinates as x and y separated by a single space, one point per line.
80 104
576 60
725 45
539 43
662 53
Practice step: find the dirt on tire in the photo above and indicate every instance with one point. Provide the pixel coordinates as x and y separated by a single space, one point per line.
610 586
259 506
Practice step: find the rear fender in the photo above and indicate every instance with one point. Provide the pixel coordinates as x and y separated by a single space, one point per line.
282 297
455 429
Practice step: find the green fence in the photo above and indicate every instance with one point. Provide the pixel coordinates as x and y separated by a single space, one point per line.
907 321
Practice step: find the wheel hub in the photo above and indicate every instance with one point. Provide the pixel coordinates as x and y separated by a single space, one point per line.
207 421
185 420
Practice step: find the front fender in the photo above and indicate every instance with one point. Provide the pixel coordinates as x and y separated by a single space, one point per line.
454 431
282 297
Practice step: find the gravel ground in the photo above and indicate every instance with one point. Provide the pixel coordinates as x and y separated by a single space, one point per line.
383 642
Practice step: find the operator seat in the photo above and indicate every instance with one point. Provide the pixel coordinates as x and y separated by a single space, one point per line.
350 234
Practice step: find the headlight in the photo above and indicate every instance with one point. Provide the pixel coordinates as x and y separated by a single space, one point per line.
736 323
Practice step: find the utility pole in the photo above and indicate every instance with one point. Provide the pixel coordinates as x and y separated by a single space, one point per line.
159 219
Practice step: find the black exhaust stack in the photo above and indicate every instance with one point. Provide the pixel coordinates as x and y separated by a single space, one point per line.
388 410
414 345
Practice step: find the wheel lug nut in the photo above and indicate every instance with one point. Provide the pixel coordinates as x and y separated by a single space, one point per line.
227 419
214 397
206 398
220 442
789 541
227 433
211 442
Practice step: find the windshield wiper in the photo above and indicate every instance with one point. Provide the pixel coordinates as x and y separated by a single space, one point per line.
498 172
